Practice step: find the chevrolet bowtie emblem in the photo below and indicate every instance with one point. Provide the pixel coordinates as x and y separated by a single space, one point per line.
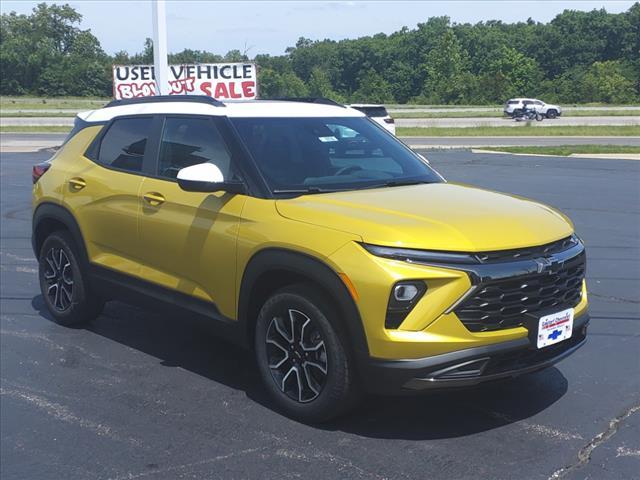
543 263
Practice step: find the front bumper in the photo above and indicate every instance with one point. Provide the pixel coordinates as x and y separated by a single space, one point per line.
469 367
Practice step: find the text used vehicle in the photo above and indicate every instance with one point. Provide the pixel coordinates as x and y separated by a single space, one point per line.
311 237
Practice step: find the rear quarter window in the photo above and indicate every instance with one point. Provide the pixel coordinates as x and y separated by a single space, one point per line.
124 144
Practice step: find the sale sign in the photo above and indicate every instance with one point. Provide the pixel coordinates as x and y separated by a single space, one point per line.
223 81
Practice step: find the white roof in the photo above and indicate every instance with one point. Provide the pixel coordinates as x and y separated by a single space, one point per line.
252 108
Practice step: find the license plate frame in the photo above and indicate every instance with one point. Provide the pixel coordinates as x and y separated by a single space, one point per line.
555 328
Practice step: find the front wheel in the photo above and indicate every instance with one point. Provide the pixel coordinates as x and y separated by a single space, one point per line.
552 114
63 282
301 357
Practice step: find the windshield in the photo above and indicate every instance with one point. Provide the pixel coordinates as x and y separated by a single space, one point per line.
313 155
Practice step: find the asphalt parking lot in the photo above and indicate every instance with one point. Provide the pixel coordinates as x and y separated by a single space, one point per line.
143 394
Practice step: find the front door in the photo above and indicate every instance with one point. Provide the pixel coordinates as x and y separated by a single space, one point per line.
189 238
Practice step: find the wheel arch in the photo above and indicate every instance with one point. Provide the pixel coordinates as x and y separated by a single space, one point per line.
273 268
49 217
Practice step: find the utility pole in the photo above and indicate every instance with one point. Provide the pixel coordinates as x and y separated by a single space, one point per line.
160 62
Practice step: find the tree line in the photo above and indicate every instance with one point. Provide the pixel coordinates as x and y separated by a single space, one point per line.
576 57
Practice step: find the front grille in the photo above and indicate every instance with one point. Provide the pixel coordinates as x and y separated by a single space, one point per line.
505 303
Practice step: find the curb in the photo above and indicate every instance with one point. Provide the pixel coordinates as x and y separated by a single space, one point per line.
597 156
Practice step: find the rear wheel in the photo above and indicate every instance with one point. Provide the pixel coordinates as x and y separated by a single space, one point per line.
63 284
301 357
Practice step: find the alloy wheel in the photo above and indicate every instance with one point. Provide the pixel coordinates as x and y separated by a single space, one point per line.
297 356
58 276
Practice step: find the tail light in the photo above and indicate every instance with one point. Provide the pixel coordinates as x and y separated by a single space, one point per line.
39 170
389 120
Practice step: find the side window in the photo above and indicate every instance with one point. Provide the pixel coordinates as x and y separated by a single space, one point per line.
190 141
124 144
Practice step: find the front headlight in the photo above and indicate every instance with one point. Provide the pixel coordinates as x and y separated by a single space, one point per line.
421 256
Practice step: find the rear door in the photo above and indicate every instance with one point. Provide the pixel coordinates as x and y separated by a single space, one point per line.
189 238
103 192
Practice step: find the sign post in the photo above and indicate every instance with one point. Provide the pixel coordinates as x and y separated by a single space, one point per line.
160 61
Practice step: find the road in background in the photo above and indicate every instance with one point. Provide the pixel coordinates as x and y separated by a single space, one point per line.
478 142
17 142
508 122
439 109
144 394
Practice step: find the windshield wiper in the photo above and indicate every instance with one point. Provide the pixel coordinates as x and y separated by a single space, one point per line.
304 191
399 183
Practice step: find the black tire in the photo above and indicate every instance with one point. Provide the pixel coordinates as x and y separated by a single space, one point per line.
517 112
321 397
64 284
539 117
552 114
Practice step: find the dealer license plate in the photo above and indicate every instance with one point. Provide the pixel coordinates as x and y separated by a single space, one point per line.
555 328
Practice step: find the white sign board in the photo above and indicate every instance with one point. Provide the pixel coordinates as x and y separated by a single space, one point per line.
223 81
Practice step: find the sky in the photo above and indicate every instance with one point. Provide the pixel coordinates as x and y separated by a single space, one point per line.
270 27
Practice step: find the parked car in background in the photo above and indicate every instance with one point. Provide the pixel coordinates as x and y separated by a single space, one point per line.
515 106
377 113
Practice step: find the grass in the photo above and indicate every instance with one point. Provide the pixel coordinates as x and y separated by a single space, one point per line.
521 131
36 103
34 129
498 114
566 150
21 114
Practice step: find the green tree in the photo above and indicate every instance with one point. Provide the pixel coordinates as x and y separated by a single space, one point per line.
276 85
373 88
320 86
46 53
446 67
510 74
606 82
578 56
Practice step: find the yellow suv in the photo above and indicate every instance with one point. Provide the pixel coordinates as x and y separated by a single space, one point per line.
309 235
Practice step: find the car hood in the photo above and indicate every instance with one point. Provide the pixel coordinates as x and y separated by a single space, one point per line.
440 216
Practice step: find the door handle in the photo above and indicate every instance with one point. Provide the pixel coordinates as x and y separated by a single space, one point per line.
77 183
153 198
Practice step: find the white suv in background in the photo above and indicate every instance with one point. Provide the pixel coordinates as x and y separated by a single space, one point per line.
515 105
377 113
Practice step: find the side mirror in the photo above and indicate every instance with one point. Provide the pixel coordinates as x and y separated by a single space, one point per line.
207 177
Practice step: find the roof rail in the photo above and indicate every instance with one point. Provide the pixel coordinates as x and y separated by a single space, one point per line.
322 100
166 99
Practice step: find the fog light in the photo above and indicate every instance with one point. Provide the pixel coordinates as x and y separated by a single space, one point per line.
404 296
405 293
